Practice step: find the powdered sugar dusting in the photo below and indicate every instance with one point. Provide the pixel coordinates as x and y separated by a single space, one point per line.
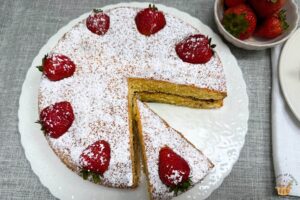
157 135
98 88
176 176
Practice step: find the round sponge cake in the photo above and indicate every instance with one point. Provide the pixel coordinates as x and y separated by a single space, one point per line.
113 68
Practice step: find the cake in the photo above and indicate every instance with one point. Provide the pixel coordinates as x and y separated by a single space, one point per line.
155 134
114 67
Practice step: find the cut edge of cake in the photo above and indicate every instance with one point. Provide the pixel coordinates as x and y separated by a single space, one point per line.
148 90
190 91
139 121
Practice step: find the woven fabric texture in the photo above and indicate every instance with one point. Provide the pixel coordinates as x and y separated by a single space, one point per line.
25 26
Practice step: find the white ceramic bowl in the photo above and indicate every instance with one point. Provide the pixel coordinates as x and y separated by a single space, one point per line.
255 43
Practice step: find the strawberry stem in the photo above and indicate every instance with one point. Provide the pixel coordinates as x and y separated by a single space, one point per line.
40 68
97 10
211 45
182 187
85 174
282 18
153 7
42 127
95 176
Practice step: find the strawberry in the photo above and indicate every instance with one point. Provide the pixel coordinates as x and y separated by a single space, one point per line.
195 49
57 66
265 8
240 21
96 157
173 170
273 26
232 3
56 119
98 22
150 20
95 160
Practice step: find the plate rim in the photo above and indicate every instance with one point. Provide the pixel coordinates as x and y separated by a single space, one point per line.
282 79
70 24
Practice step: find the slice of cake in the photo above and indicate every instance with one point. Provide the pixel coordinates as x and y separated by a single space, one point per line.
172 164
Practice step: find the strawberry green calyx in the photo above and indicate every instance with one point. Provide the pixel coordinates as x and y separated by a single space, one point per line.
41 67
210 44
97 10
40 122
235 24
153 7
182 187
273 1
86 174
282 18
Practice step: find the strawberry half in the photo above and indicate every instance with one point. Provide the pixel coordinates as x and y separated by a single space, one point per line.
273 26
98 22
57 66
95 160
56 119
265 8
173 170
195 49
149 21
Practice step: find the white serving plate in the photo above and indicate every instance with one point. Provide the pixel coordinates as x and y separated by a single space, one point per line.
219 133
289 73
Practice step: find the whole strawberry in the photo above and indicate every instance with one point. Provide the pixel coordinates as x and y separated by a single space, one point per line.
265 8
149 21
57 66
95 159
240 21
195 49
98 22
232 3
56 119
273 26
173 170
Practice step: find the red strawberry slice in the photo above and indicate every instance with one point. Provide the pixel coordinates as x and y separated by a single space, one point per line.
56 119
98 22
57 67
173 170
149 21
96 157
195 49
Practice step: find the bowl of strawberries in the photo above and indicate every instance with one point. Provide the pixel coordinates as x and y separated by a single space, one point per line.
256 24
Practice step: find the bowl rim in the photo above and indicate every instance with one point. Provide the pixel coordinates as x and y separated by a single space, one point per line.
258 45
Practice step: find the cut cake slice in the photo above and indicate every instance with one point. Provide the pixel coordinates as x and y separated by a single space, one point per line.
155 134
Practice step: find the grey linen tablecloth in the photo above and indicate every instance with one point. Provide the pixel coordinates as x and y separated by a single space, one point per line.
25 27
